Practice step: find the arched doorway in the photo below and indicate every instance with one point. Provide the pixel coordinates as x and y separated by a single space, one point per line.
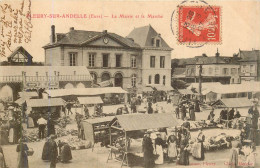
118 80
80 85
6 93
105 77
94 76
68 86
157 79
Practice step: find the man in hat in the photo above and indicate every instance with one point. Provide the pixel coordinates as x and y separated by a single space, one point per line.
177 112
148 151
53 151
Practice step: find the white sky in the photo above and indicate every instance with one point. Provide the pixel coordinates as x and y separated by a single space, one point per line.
240 23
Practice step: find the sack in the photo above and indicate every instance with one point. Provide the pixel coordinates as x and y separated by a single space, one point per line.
30 152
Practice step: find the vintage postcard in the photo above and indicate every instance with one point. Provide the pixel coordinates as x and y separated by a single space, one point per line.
136 83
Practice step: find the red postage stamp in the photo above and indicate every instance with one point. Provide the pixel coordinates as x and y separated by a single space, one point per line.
199 24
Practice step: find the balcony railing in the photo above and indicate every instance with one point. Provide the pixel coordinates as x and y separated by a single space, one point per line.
10 79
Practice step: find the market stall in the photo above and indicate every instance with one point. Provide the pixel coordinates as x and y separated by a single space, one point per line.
96 130
131 129
90 103
41 106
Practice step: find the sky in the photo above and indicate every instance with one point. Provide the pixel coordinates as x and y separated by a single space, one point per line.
240 23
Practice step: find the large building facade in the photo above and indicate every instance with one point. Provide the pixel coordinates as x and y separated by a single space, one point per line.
124 61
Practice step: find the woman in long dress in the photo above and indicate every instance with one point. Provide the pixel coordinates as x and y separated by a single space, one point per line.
45 151
159 149
184 153
198 152
192 113
172 147
148 151
65 152
22 149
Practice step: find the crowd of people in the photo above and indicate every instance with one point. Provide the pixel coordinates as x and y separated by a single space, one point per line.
173 147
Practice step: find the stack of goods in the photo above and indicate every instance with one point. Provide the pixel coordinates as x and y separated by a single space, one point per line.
32 135
63 121
195 125
220 141
76 144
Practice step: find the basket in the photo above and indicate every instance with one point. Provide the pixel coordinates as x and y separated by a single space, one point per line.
30 152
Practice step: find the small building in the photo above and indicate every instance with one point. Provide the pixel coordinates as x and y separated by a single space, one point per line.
20 56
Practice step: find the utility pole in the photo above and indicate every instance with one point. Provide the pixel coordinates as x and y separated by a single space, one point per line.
200 81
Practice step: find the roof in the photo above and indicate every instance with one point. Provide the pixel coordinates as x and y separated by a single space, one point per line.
132 122
249 56
90 100
99 120
185 91
206 85
42 70
179 72
22 51
145 89
143 36
234 102
213 60
45 102
21 100
84 91
28 94
82 37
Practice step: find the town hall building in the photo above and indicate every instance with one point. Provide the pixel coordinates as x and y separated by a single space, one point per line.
140 59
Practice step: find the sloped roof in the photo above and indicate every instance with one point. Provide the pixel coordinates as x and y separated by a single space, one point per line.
143 36
80 37
84 91
133 122
185 91
45 102
22 51
234 102
213 60
249 56
28 94
90 100
99 120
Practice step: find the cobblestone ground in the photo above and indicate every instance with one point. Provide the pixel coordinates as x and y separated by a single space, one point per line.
97 159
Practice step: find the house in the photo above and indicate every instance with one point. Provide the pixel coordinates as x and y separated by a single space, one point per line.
250 63
20 56
141 58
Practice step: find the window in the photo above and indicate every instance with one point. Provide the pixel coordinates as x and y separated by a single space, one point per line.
164 78
162 61
105 77
91 59
152 62
133 80
150 79
252 68
217 70
210 71
157 79
233 71
133 61
233 80
157 43
105 60
203 71
73 59
118 60
225 71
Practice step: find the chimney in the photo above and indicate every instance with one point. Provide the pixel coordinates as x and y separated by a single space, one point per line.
217 53
159 35
72 28
52 34
105 31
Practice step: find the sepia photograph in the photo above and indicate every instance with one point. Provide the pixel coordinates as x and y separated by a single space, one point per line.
135 84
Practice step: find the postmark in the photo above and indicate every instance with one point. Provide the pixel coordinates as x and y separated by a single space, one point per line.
199 24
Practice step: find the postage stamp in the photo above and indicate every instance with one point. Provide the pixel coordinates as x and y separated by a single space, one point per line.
199 24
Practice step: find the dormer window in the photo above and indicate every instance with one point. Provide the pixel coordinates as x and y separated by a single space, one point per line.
158 42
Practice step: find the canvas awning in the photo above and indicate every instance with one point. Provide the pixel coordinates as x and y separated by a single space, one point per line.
185 91
28 94
233 102
84 91
99 120
105 83
45 102
163 88
21 100
133 122
90 100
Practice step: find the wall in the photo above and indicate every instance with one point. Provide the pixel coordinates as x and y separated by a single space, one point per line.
147 71
53 56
